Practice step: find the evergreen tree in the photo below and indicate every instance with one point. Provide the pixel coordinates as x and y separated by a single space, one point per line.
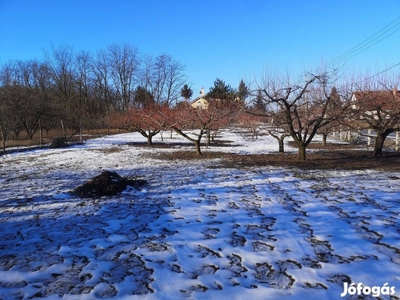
186 92
143 97
221 91
243 91
259 105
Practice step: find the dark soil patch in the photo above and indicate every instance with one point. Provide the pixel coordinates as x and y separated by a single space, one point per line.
159 145
328 160
189 155
107 184
331 157
169 145
329 146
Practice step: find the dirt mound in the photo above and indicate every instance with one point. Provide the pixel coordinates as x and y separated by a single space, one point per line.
107 184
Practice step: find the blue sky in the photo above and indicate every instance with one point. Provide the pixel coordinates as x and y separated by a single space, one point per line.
229 40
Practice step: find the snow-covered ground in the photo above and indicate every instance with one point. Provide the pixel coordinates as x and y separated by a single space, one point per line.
198 230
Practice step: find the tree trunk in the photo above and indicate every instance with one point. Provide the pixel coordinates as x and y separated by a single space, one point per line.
280 139
281 145
149 140
302 151
3 137
324 136
40 134
379 141
197 145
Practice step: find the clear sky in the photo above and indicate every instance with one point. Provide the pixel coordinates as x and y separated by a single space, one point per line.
226 39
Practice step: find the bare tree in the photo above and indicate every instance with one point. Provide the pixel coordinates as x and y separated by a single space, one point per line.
102 90
124 62
303 105
5 123
62 74
23 97
253 121
336 113
163 77
80 90
377 106
149 120
278 128
194 123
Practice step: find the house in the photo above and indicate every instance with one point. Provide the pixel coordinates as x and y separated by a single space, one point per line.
373 103
200 102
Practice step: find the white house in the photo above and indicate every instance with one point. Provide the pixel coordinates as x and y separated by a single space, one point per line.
200 102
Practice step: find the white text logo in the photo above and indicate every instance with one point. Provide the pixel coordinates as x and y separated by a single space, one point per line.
361 289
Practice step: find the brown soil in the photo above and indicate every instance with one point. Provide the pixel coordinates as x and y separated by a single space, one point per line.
107 184
326 160
330 157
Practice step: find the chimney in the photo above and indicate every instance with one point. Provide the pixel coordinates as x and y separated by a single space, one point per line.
202 91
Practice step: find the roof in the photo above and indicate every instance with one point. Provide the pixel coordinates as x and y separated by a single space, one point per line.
377 98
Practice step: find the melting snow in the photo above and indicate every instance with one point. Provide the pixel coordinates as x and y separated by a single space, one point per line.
196 231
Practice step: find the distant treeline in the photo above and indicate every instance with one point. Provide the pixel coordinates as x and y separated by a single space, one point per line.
82 89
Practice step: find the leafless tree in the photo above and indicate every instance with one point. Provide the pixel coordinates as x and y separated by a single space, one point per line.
336 112
81 90
124 62
102 90
61 71
376 105
5 123
302 103
23 96
163 77
193 123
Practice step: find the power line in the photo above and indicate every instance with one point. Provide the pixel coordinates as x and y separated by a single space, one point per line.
369 42
398 64
369 46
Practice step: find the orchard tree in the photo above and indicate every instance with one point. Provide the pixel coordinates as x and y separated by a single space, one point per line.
253 121
377 106
336 112
277 128
149 120
274 120
302 104
194 123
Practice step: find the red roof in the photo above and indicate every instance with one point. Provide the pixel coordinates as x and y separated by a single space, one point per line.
377 99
